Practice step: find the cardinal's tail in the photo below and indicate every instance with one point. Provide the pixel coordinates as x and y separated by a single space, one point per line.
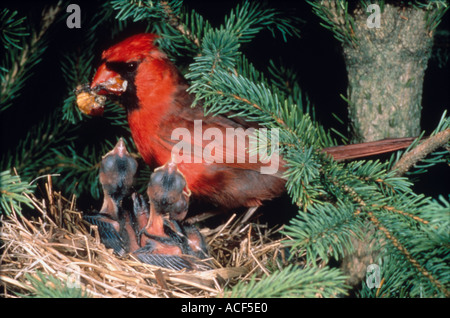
367 149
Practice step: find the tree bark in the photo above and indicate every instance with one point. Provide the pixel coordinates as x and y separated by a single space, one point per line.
386 69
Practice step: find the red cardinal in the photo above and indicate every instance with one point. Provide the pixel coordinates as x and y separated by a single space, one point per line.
154 94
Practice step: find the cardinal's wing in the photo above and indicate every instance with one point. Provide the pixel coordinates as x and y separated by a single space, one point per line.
229 141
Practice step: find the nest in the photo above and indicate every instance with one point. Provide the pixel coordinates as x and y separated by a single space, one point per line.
59 243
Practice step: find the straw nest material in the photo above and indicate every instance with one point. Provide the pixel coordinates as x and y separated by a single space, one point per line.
59 243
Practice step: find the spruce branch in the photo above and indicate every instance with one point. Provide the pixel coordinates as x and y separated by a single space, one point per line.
396 282
11 29
17 64
429 159
421 151
175 21
186 30
31 154
250 18
286 81
364 190
408 255
394 210
293 282
336 18
49 286
182 30
325 231
224 92
435 11
13 193
364 196
79 172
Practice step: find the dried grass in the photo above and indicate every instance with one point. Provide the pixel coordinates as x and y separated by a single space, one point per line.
60 243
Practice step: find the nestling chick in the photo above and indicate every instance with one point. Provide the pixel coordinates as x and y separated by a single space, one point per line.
168 191
168 194
162 235
164 247
117 170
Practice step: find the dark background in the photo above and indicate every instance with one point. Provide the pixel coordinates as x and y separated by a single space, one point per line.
316 55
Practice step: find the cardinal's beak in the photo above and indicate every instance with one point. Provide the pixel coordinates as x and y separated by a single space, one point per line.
108 82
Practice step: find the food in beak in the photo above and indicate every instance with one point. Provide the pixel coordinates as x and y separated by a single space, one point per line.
89 102
91 98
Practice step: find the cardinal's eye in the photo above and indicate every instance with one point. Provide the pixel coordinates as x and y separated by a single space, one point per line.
124 69
131 66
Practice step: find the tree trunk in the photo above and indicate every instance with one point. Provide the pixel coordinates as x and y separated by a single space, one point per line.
386 70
